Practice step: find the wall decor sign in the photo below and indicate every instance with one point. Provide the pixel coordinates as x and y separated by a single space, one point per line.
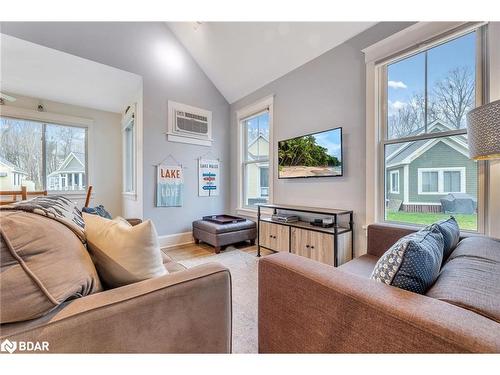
169 186
208 177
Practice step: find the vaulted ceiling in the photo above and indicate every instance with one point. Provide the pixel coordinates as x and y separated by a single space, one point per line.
240 57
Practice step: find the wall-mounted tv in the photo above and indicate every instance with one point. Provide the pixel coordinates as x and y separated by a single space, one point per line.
312 155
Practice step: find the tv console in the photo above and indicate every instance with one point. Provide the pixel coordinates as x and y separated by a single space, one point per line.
330 245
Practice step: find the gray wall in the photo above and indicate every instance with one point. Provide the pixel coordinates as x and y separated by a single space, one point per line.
327 92
143 48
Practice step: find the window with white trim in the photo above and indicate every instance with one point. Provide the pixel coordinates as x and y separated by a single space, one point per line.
43 156
441 180
255 154
424 98
394 176
255 160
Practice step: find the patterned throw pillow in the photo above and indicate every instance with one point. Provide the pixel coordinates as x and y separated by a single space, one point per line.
412 263
97 210
451 235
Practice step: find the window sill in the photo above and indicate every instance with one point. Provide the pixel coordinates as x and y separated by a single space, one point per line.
249 212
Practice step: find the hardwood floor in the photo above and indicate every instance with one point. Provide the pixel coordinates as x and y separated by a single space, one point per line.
190 251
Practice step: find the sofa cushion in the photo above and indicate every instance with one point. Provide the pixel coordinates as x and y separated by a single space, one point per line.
413 262
451 235
471 277
362 266
123 254
43 263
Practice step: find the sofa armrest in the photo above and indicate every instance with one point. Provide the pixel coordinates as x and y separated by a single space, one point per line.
306 306
183 312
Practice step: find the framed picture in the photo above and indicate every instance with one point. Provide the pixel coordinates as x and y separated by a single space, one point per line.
208 172
169 186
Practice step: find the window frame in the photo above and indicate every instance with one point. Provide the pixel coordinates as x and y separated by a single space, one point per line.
265 104
481 95
391 190
63 120
128 119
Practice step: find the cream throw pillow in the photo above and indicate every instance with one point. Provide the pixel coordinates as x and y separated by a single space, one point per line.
122 253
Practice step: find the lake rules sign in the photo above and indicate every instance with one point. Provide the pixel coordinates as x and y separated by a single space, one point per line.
169 186
208 177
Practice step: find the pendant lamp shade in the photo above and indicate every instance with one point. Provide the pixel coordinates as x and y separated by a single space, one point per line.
483 131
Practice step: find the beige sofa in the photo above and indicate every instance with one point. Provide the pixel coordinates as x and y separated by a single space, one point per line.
185 311
306 306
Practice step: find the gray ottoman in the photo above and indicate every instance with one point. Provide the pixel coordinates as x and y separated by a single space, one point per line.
220 235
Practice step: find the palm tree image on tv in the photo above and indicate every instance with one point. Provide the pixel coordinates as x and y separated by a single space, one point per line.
311 155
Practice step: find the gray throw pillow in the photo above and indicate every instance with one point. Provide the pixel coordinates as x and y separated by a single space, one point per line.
413 262
451 235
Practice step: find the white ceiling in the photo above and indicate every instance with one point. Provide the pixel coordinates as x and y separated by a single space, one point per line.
32 70
240 57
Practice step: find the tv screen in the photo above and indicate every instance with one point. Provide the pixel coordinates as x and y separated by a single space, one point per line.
313 155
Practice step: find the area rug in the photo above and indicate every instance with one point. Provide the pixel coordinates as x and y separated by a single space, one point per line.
243 268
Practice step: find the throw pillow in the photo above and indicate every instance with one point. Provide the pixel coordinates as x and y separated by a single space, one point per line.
97 210
122 253
413 262
451 235
43 264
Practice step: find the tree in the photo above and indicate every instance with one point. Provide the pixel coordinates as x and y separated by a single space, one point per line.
305 152
409 118
448 101
454 96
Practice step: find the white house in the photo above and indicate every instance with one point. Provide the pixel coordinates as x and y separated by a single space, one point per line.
12 177
70 175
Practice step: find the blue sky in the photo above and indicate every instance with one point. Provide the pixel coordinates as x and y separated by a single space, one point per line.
407 76
258 125
331 141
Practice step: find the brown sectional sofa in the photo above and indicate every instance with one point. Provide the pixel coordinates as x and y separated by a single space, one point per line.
185 311
306 306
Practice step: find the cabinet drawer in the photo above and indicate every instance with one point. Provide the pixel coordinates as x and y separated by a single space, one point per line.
274 236
313 245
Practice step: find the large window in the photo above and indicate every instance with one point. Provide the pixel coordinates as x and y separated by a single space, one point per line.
255 159
42 156
428 173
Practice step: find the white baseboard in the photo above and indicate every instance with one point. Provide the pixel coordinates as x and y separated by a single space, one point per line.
176 239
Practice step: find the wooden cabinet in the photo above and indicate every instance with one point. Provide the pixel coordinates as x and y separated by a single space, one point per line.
314 245
274 236
332 245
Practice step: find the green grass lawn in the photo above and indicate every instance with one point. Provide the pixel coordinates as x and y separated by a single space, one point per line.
467 222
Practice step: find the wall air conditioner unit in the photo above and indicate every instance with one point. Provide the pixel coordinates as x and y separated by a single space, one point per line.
189 124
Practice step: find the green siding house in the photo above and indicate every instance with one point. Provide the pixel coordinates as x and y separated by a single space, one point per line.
420 173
